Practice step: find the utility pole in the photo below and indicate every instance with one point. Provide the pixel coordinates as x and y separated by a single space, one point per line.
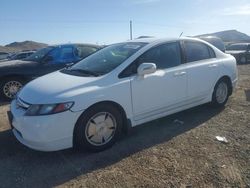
181 34
131 30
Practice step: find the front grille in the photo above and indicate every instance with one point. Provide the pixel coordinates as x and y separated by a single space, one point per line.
22 104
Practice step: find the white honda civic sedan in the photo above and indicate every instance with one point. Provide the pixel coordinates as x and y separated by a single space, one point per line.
88 105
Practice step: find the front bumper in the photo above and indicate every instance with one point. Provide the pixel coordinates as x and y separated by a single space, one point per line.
43 133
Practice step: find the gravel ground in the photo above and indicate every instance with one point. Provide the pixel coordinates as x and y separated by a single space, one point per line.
162 153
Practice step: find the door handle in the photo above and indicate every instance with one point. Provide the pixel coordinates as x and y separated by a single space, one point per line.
213 65
179 73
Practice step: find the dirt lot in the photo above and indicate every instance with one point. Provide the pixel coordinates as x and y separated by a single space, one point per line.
159 154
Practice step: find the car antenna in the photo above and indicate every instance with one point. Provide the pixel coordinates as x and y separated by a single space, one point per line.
181 34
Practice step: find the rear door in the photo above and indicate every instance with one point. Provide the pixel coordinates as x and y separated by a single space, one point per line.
202 69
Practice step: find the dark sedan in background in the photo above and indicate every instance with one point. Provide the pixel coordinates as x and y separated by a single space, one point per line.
14 74
241 52
20 55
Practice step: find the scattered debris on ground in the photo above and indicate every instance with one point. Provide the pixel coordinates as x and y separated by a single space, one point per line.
221 139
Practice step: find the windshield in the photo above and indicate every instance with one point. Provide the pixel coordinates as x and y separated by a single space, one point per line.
107 59
237 47
37 56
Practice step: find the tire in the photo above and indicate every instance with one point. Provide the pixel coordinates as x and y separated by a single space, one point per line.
9 87
93 124
221 93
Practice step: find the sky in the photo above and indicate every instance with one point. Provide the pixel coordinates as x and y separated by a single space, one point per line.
107 21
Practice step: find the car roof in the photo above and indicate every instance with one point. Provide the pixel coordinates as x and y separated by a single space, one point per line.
243 43
153 39
25 52
209 37
159 40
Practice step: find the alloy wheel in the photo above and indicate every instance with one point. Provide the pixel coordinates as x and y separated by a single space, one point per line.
11 88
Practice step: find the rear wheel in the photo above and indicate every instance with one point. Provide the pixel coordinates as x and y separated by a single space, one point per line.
98 128
10 86
221 93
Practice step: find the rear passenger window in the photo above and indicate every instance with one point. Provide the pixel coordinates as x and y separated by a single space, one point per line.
196 51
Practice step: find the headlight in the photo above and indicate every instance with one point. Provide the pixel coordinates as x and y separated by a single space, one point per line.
46 109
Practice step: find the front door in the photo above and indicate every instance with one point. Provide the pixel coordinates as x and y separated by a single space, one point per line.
163 90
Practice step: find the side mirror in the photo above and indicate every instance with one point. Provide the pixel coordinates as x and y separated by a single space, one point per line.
48 59
146 68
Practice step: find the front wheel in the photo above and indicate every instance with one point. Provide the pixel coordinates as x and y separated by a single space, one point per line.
221 93
98 128
9 87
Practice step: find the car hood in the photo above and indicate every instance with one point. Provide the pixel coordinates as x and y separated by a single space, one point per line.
57 87
235 51
14 63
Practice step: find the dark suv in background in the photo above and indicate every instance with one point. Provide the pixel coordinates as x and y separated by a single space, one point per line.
14 74
241 52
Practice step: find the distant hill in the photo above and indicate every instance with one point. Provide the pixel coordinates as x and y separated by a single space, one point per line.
22 46
26 45
6 49
229 36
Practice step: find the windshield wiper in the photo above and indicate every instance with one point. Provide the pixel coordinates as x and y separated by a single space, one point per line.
85 72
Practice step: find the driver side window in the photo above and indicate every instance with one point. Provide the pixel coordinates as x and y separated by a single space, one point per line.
164 56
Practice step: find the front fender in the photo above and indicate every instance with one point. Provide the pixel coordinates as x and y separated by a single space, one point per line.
119 93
